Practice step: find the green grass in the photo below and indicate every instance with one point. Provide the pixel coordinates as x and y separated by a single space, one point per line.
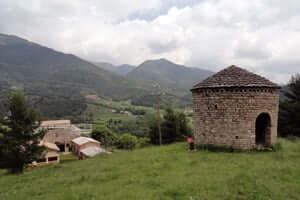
168 172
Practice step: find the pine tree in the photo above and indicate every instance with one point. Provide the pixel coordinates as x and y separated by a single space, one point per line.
19 141
289 113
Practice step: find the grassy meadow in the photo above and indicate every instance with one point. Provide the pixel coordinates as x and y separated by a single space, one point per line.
168 172
102 110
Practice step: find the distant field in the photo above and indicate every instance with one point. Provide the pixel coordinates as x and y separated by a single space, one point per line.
102 110
168 172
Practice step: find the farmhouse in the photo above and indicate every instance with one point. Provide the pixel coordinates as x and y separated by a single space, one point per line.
86 147
62 138
235 108
50 155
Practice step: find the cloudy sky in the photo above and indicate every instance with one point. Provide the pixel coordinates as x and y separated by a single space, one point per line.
260 35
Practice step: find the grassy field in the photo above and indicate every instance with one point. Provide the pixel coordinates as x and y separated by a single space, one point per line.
102 110
168 172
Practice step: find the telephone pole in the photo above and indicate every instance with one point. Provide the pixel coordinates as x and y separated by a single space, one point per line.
158 120
158 113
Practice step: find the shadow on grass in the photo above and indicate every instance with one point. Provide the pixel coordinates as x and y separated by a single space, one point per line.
68 158
213 148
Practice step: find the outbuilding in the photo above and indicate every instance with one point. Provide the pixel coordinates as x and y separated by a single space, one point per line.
235 108
85 145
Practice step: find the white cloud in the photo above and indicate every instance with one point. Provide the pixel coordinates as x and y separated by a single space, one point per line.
262 36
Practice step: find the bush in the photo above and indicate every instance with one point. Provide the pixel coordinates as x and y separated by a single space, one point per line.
143 142
127 141
105 136
277 147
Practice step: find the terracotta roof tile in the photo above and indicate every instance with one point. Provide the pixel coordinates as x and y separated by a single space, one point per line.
234 76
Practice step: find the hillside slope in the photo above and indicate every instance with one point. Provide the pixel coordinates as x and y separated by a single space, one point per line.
45 73
168 172
169 74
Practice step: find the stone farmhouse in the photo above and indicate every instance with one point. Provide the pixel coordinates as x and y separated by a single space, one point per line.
235 108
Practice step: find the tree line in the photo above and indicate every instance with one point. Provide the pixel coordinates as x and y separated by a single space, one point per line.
289 109
174 127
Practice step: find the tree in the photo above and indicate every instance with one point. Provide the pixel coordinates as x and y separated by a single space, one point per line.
105 136
20 139
289 112
174 127
170 126
153 129
184 130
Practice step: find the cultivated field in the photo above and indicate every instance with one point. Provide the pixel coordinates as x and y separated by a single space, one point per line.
168 172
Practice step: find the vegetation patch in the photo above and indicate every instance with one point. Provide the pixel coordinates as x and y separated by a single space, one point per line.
167 172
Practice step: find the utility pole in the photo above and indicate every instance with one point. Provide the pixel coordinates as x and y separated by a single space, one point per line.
158 112
158 119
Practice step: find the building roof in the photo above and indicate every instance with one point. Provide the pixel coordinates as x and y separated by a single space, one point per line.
83 140
234 76
92 151
49 145
55 122
61 135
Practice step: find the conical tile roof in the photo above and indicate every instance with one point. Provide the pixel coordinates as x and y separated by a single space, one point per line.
234 76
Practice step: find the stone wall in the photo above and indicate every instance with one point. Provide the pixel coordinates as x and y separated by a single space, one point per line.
227 117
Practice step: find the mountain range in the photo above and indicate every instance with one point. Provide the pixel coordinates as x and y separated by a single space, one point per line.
161 71
58 82
169 74
120 69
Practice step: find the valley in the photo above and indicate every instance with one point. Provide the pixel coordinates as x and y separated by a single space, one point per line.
57 83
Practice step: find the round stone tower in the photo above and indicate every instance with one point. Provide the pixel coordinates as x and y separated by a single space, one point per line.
235 108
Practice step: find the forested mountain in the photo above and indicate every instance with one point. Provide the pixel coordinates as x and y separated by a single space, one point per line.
166 73
57 81
121 69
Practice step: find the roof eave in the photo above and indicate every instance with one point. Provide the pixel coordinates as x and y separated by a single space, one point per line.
234 86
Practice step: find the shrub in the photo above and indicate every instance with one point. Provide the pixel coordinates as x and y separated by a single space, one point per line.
105 136
127 141
143 142
277 147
